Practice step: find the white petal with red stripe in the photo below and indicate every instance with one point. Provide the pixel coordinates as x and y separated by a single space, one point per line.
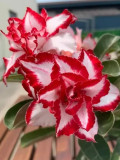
110 101
60 21
92 64
85 116
71 65
50 94
11 63
70 79
97 90
38 73
39 116
29 88
66 125
33 20
73 106
88 135
62 41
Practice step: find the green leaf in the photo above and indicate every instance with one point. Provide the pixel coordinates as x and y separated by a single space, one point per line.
81 156
14 78
105 122
111 68
117 83
14 114
95 151
116 152
113 79
115 131
20 116
107 43
117 113
37 135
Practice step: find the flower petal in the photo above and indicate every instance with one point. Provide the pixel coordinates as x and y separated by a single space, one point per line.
110 101
73 106
39 116
70 79
85 116
70 65
62 21
50 94
96 91
33 20
11 63
88 135
60 42
28 88
92 64
40 42
39 71
78 38
89 42
44 13
65 123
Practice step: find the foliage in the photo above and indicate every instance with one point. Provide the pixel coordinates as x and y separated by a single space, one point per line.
37 135
15 116
96 151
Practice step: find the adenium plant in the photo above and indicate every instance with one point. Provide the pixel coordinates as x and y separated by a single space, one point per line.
61 73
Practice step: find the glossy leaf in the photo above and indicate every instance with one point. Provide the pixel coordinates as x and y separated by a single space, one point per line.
116 152
111 68
115 131
117 113
36 136
95 151
20 116
117 83
105 121
15 113
81 156
107 43
113 79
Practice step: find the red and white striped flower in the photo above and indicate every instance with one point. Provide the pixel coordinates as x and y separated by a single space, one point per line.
37 33
67 91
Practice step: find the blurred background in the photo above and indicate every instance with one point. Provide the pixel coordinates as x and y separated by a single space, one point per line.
94 16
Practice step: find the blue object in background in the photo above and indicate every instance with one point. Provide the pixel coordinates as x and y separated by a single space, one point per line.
107 22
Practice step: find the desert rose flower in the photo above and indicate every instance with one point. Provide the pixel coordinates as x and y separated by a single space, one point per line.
87 43
37 33
66 91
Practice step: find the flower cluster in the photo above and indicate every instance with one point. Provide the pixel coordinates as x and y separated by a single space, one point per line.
66 90
38 33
